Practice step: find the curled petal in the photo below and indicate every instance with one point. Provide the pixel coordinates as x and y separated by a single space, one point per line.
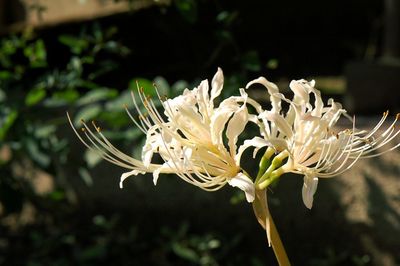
128 174
217 84
280 122
255 142
272 88
203 100
309 188
300 91
244 183
275 96
235 127
220 118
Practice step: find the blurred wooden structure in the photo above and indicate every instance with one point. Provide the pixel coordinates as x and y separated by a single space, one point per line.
18 14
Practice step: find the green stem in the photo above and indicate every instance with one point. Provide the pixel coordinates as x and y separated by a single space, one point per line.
277 246
264 183
267 174
276 162
265 162
263 215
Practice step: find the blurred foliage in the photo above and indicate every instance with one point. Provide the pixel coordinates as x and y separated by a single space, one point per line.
109 240
35 92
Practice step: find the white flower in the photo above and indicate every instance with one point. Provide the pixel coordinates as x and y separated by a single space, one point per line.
305 138
188 137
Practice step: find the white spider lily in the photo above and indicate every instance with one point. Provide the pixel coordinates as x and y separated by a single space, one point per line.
188 138
304 137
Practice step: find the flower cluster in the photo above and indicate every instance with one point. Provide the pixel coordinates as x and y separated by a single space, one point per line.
197 139
305 138
188 137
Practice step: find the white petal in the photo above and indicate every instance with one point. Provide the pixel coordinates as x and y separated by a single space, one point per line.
216 84
300 91
275 96
235 127
280 122
156 174
255 142
128 174
203 101
244 183
168 167
272 88
147 154
309 189
219 119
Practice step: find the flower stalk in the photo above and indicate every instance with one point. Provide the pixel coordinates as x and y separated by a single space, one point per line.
277 246
273 172
266 176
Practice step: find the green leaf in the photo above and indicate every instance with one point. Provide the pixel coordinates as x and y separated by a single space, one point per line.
34 96
87 113
77 45
75 64
104 67
36 53
84 173
117 104
8 47
97 95
57 195
92 158
3 96
185 252
61 98
125 135
162 86
144 84
116 118
7 121
35 153
188 9
45 130
5 75
178 87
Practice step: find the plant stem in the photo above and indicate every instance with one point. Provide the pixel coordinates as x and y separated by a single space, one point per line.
277 245
264 218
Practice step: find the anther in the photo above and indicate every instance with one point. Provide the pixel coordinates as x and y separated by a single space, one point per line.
95 126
